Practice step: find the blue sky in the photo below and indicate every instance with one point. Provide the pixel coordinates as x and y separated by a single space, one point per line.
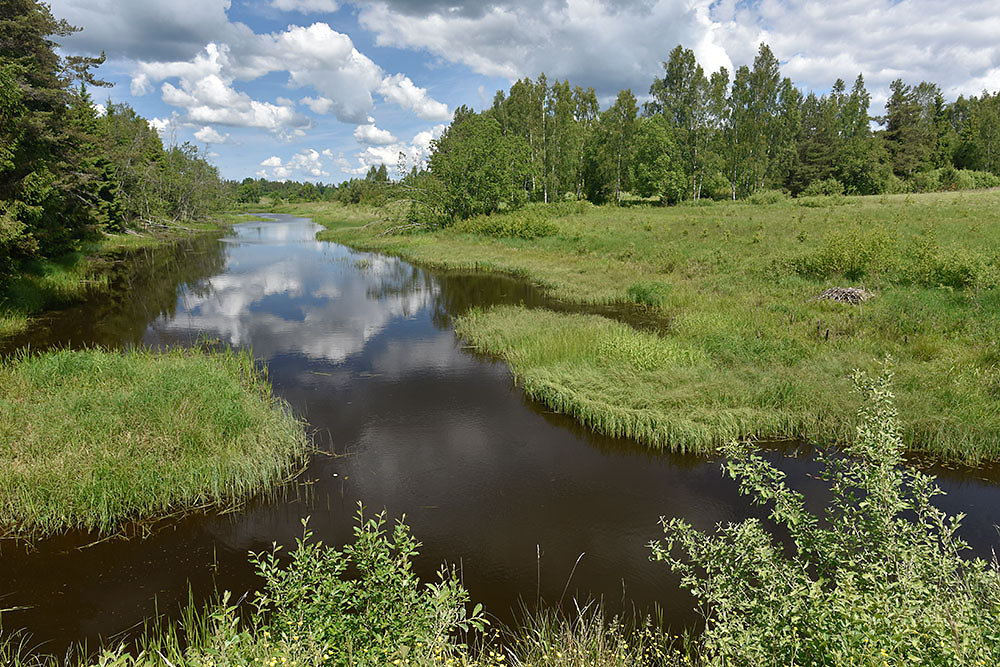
323 89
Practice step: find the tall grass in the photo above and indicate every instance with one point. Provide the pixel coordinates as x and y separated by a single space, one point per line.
93 439
663 391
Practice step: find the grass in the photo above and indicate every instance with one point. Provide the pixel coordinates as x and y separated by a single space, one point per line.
735 286
94 439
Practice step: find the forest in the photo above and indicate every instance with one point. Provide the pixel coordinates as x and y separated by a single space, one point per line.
70 169
717 136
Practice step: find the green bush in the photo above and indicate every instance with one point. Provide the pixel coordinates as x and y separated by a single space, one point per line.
982 179
377 614
717 187
854 254
950 178
925 181
528 223
878 579
828 186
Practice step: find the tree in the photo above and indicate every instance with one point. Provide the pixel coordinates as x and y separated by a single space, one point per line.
480 169
905 132
683 97
610 153
656 165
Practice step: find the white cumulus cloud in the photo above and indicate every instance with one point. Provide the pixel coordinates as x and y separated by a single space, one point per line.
369 134
209 135
315 56
305 6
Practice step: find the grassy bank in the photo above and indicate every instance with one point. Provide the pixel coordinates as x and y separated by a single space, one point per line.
92 439
55 283
735 286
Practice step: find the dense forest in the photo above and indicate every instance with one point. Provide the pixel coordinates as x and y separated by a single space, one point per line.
716 136
70 170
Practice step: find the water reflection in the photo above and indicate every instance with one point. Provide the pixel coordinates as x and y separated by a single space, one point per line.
360 346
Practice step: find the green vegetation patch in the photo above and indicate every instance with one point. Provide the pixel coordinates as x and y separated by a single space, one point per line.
92 439
661 391
699 386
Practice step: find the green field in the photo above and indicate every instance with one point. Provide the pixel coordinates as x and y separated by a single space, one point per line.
93 439
744 345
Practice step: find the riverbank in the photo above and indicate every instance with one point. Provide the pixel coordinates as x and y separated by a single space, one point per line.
736 286
94 439
59 282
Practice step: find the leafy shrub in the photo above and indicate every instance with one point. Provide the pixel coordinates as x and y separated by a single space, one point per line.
982 179
925 181
878 579
378 614
828 186
854 254
527 223
950 178
894 185
932 266
521 225
717 187
765 197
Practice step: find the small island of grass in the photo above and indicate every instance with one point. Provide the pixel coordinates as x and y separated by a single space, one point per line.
95 439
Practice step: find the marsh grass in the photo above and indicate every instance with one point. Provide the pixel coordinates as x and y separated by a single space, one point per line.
736 284
589 637
94 439
662 391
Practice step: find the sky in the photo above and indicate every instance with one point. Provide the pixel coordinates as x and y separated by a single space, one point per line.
322 90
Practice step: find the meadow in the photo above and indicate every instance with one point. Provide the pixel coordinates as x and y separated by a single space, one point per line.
94 439
744 346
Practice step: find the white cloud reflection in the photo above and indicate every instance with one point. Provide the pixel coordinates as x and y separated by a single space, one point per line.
315 299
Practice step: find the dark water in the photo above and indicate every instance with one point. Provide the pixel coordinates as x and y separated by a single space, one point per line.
360 345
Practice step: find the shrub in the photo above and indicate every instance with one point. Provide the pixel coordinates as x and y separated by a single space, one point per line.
378 614
764 197
879 579
925 181
717 187
527 223
524 224
854 254
828 186
983 179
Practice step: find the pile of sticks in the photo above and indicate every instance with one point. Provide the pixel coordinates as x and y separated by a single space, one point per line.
853 295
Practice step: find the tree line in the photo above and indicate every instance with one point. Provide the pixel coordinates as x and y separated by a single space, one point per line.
69 171
718 136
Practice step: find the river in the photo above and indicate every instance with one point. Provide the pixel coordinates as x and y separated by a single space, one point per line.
526 503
